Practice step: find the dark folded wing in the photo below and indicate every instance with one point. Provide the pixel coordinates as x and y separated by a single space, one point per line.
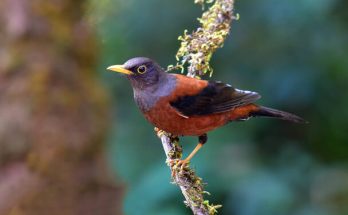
216 97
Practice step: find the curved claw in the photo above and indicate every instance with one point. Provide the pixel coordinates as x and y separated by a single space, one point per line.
178 163
182 163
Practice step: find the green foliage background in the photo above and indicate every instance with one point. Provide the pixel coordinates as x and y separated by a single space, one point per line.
294 53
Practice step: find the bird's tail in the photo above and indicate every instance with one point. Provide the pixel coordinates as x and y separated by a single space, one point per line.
269 112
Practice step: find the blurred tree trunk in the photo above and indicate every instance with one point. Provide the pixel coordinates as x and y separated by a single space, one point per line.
53 114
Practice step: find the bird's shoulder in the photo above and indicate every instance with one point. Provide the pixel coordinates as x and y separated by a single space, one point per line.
185 85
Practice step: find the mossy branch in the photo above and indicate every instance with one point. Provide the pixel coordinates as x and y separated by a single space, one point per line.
198 47
195 53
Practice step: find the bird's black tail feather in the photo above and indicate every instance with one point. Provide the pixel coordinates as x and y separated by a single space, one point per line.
269 112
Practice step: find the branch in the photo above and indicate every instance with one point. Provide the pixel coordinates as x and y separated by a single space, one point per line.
195 52
197 48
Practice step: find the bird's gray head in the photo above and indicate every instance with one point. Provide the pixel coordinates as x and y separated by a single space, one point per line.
141 71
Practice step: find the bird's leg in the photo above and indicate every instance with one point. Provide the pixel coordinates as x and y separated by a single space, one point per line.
201 141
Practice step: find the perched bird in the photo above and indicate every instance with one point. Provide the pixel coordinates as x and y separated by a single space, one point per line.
185 106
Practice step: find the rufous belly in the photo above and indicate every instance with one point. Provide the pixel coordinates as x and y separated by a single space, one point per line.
166 118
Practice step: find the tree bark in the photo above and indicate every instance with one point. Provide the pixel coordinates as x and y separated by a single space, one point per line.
53 113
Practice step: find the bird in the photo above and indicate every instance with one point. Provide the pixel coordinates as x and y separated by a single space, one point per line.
186 106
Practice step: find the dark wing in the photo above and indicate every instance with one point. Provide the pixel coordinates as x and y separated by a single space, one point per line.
216 97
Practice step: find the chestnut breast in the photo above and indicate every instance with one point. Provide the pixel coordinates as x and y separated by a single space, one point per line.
164 116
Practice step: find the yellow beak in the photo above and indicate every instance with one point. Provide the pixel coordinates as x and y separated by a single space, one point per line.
120 69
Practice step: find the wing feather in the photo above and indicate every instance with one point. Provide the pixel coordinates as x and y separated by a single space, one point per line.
216 97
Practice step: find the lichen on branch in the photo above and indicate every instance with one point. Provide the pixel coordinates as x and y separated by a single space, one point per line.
191 185
195 53
198 47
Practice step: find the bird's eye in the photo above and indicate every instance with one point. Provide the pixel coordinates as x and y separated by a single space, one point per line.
142 69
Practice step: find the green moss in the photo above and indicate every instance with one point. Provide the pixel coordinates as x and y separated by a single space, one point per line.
195 53
197 48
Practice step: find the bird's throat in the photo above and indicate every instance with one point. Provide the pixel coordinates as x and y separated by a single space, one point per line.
148 96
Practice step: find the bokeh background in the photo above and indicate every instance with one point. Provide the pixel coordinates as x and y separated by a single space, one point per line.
294 53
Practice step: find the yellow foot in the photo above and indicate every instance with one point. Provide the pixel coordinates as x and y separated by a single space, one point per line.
175 163
178 164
